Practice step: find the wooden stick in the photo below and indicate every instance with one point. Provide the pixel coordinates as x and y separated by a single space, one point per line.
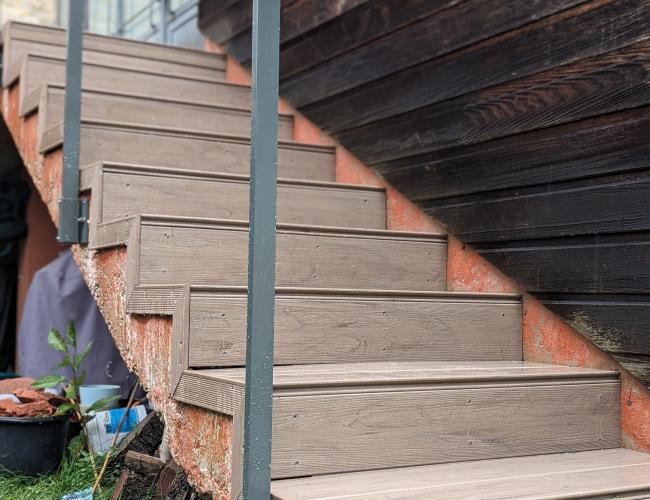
117 433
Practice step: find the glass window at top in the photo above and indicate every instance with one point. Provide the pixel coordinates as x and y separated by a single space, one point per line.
163 21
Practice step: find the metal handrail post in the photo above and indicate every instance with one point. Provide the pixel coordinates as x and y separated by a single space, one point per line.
261 251
73 212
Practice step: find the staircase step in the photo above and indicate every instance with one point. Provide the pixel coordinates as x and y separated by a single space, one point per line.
615 473
342 326
21 38
121 190
189 150
35 71
144 110
174 250
316 326
361 416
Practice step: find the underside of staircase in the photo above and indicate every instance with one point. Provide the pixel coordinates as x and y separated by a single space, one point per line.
386 384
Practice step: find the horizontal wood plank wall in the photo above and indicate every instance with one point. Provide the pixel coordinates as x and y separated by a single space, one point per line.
522 126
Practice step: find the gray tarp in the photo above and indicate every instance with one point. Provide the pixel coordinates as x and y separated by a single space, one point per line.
57 295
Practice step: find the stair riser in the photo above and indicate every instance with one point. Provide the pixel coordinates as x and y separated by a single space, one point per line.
188 152
20 48
124 194
349 329
397 429
139 111
38 72
50 36
211 256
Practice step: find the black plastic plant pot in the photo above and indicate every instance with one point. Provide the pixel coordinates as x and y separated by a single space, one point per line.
32 446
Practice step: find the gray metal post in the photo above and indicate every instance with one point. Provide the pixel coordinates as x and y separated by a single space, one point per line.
72 210
164 21
261 251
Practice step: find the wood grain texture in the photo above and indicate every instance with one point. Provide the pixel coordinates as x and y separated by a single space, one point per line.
419 427
39 70
612 204
590 87
232 28
198 390
171 254
443 32
352 29
140 191
179 360
289 381
590 148
591 474
375 408
617 323
497 60
596 264
19 48
329 329
184 149
157 112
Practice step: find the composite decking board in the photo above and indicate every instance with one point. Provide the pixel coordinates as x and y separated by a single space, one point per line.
344 328
590 87
377 430
87 173
125 193
567 475
19 48
612 204
52 35
400 375
418 43
37 71
183 149
171 254
146 110
620 22
382 414
589 148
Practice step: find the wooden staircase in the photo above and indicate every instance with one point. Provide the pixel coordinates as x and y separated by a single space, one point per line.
386 385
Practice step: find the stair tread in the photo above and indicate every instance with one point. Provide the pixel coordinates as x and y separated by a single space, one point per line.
344 292
553 476
55 133
408 372
14 70
89 91
206 222
55 35
201 175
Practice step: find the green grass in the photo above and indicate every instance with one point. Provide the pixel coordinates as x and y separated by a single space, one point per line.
71 477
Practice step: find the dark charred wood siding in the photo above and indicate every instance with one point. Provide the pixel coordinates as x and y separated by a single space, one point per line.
523 126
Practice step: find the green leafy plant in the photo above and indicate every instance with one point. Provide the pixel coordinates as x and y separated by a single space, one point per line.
73 359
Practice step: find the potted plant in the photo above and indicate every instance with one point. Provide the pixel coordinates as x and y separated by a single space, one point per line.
34 440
